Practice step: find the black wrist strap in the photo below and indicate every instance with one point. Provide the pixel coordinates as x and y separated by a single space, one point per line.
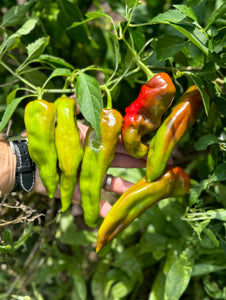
25 167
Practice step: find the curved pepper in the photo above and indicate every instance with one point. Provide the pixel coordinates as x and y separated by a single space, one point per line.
98 154
144 114
69 148
39 121
174 182
182 116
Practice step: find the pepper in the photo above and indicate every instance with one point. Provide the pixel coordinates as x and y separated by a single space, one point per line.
39 118
182 116
145 113
68 146
98 154
173 183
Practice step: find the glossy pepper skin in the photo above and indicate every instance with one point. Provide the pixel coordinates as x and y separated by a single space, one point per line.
98 154
182 116
174 182
68 146
39 121
144 114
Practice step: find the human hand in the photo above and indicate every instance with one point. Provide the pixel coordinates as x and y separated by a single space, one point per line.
117 185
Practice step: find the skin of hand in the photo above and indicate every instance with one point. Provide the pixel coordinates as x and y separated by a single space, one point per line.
8 167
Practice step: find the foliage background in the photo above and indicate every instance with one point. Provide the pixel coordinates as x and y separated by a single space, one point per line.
176 249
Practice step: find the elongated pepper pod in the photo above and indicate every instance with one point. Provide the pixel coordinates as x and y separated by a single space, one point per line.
174 182
98 154
182 116
69 148
144 114
39 121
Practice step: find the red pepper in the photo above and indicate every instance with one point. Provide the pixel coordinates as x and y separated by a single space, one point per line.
144 114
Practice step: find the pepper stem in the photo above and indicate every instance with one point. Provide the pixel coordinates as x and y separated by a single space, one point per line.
108 94
39 92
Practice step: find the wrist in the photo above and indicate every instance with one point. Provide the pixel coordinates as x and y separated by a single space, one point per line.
25 167
8 167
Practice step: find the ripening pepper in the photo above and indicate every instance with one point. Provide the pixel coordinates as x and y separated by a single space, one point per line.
98 154
173 183
39 121
182 116
144 114
68 146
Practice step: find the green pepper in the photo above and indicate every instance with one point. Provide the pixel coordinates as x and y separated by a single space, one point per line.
182 116
145 113
173 183
98 154
39 121
68 146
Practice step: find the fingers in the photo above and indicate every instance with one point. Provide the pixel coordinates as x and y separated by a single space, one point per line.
104 208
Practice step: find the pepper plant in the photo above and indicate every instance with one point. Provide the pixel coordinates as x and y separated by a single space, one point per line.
106 53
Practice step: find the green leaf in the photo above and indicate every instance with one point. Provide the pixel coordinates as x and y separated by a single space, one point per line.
9 44
92 16
79 289
169 45
194 35
172 16
157 290
179 275
16 14
88 95
13 40
56 73
24 236
54 61
218 13
219 174
7 236
36 49
188 11
80 238
128 263
132 3
205 141
206 99
118 284
203 269
9 112
11 96
27 27
99 280
5 249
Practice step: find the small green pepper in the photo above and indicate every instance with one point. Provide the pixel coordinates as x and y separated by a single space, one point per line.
173 183
69 148
39 121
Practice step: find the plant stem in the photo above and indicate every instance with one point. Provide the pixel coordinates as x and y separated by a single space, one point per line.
146 70
17 75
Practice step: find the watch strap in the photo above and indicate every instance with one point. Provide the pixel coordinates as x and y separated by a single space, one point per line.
25 167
